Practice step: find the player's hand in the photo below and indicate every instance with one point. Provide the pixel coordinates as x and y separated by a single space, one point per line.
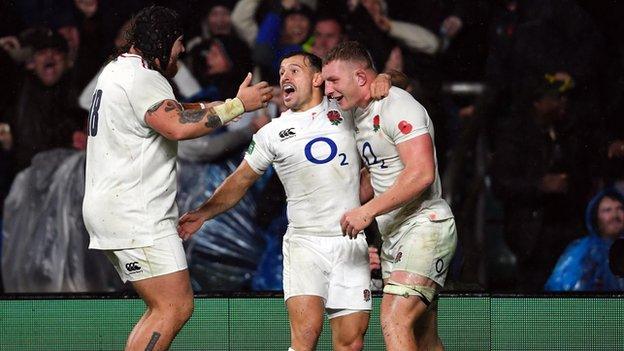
354 221
190 223
373 258
380 87
254 96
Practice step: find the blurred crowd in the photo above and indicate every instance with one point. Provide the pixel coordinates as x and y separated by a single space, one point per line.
527 98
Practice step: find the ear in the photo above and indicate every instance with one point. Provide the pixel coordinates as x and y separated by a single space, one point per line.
360 77
317 79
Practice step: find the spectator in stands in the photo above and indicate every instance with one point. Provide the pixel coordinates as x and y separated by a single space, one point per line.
282 31
584 266
43 116
216 22
328 32
540 174
219 58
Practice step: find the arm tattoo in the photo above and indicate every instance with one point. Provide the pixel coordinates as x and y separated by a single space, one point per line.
172 105
214 121
155 107
194 116
191 116
153 341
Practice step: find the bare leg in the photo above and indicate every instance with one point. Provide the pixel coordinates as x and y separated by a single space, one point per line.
306 321
426 331
400 317
169 300
348 331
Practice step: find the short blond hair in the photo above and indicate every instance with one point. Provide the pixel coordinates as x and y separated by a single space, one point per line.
350 51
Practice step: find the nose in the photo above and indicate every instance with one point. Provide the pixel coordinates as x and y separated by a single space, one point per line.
285 78
329 89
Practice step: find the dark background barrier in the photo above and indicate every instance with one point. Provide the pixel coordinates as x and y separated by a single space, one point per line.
466 322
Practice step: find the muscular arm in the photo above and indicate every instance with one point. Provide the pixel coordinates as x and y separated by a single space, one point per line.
227 195
171 120
175 123
418 174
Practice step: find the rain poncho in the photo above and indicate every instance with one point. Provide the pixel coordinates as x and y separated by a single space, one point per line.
45 245
584 266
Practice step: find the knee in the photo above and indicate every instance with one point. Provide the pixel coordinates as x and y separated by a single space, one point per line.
185 309
307 334
179 311
356 344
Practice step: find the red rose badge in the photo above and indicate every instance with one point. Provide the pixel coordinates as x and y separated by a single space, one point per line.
334 117
376 123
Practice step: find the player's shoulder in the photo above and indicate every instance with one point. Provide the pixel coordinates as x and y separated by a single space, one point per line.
400 99
271 129
397 94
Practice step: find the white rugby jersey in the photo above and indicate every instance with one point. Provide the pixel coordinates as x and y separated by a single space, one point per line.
314 155
130 181
379 128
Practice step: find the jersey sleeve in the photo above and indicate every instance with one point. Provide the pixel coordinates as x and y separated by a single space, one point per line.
260 153
148 89
403 118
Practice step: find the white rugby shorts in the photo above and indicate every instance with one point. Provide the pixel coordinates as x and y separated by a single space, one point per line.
164 256
335 268
420 246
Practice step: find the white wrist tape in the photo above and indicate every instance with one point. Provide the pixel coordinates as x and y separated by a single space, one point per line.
202 105
230 110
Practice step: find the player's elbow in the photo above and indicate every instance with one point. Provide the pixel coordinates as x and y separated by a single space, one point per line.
174 135
422 180
427 179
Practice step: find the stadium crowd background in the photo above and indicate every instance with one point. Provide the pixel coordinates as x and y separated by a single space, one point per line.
527 98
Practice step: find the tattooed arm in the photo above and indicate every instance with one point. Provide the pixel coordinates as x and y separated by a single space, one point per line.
174 122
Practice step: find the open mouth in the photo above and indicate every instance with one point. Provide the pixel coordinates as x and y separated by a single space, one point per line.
337 98
288 89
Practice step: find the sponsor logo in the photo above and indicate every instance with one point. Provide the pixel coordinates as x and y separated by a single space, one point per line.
376 123
287 133
251 147
334 117
439 265
367 295
405 127
133 267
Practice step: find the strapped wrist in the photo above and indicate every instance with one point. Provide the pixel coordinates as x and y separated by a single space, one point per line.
230 110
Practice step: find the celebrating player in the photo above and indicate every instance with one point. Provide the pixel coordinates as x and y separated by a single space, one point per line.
129 205
395 139
312 148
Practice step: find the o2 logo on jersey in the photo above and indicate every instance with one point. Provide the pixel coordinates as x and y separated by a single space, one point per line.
333 151
94 117
369 156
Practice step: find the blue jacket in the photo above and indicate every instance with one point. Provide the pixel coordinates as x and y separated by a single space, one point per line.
584 265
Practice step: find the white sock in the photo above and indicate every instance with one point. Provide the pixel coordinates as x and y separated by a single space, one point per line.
291 349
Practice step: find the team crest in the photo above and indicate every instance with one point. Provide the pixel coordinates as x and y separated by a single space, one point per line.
367 295
376 123
334 117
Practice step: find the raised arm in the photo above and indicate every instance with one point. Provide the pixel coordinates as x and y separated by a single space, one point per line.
173 121
227 195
